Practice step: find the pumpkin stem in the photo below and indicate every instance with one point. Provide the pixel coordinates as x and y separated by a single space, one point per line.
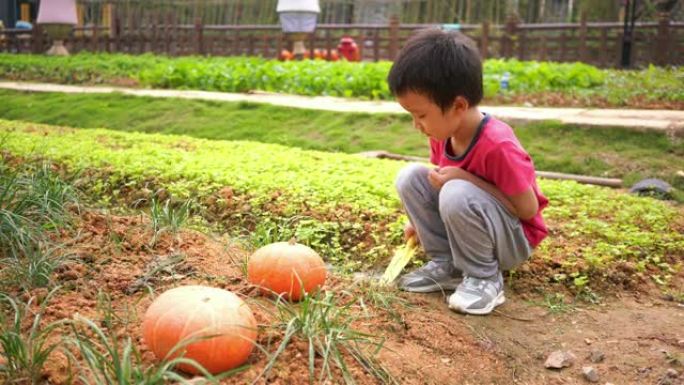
292 241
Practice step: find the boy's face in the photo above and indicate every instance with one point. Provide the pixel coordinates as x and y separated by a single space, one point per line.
428 116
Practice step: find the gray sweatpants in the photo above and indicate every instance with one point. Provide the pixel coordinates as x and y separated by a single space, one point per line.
462 225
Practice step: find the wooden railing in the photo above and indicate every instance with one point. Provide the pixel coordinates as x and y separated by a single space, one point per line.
660 43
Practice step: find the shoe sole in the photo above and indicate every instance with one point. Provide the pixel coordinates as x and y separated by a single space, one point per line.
431 288
499 300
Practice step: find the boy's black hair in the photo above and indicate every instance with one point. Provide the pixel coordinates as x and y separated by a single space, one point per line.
440 65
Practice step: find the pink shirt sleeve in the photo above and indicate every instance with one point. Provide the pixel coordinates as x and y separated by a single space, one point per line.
510 168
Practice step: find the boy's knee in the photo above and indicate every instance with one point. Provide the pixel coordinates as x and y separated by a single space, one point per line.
456 196
409 177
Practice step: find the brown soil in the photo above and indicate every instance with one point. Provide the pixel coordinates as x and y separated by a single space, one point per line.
640 335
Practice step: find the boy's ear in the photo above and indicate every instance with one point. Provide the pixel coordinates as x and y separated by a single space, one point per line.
460 104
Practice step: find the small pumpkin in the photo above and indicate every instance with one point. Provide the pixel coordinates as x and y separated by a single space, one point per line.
187 312
286 268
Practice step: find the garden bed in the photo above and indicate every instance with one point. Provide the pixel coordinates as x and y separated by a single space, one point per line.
538 83
346 207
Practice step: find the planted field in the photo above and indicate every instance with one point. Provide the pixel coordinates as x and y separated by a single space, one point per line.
98 223
608 152
539 83
343 205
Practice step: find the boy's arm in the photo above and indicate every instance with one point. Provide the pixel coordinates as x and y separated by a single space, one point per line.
523 205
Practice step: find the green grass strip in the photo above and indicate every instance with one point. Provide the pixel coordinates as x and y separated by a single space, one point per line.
593 229
606 152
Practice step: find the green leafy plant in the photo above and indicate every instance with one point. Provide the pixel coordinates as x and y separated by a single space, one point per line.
26 352
345 79
168 217
325 324
34 268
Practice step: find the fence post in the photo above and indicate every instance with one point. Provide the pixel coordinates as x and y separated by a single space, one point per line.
393 37
583 37
484 43
328 44
116 32
37 39
199 41
509 40
662 49
94 38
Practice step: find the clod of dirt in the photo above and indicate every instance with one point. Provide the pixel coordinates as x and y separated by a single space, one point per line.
596 356
590 374
669 378
559 359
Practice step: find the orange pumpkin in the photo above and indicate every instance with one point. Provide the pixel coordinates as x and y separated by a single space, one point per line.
286 268
188 312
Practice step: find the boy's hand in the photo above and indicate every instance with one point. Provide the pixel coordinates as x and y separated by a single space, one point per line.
410 232
439 176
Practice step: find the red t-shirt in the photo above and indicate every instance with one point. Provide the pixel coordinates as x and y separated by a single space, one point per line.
495 155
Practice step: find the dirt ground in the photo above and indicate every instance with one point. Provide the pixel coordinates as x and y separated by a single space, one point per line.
634 338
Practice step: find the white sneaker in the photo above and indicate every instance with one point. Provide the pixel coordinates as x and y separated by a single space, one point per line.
431 277
478 295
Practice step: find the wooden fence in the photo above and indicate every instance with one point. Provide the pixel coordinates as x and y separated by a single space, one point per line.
660 43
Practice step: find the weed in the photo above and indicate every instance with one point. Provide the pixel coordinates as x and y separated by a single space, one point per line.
325 325
555 303
168 217
25 352
34 268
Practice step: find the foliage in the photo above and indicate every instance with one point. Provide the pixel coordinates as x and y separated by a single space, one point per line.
34 203
26 352
345 79
607 228
612 152
530 76
326 325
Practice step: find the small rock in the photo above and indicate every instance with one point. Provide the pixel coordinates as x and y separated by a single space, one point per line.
559 359
446 360
680 343
590 374
588 341
672 373
596 356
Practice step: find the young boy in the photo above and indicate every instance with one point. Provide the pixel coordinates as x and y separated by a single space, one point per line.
478 212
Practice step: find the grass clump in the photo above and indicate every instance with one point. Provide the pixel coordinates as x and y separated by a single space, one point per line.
25 352
326 326
34 203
